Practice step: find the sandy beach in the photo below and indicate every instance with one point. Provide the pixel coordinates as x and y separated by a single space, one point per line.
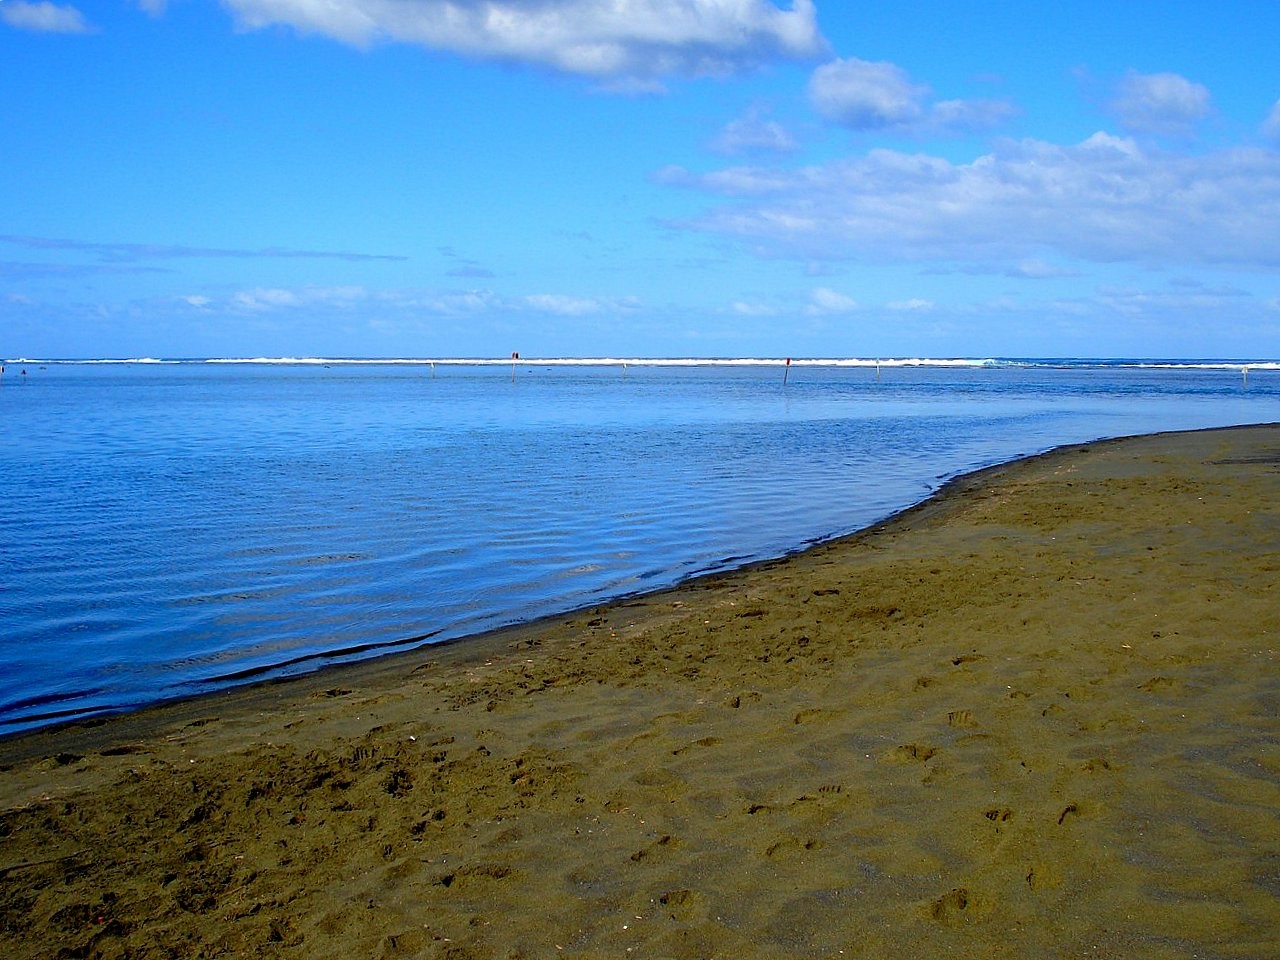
1035 717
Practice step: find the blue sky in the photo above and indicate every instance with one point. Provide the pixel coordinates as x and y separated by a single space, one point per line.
435 178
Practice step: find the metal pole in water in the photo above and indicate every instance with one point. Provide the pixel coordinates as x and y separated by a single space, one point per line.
515 355
785 371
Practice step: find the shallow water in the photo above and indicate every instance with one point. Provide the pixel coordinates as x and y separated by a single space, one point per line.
170 528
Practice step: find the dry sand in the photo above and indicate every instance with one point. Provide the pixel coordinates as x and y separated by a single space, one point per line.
1037 717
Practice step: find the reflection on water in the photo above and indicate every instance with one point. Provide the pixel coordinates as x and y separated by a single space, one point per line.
164 529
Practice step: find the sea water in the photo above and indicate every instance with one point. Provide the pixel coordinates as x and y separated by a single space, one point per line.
171 528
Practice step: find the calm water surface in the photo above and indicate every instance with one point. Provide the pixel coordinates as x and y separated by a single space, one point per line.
168 529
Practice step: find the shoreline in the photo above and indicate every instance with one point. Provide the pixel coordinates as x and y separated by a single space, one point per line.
1034 713
95 731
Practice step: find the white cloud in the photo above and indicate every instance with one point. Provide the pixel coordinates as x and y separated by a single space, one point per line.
915 304
1134 301
744 309
1033 268
140 252
263 299
737 181
625 43
450 303
441 303
864 95
1271 126
965 115
43 17
754 132
1104 199
563 305
1160 103
823 300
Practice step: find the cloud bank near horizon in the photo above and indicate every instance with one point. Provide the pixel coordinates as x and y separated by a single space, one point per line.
127 253
1104 200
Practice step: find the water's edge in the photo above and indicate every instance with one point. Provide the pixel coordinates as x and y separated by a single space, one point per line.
107 726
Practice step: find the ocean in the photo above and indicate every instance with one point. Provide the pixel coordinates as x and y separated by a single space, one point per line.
173 527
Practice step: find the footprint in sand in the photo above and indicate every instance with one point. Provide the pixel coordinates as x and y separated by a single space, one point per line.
790 847
960 906
704 742
910 753
811 715
1044 876
682 904
1162 685
656 849
405 943
469 875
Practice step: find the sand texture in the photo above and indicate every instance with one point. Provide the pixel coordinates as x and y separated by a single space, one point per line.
1037 717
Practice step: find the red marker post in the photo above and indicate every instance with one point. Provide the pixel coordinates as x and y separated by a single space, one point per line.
785 371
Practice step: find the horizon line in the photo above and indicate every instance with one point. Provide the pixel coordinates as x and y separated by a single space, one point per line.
518 360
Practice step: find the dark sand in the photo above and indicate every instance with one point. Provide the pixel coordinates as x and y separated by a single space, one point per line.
1037 717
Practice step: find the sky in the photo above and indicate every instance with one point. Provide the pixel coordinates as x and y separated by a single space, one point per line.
639 178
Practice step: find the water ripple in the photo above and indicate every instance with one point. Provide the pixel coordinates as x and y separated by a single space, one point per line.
183 527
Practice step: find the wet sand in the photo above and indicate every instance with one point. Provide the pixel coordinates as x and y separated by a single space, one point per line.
1037 717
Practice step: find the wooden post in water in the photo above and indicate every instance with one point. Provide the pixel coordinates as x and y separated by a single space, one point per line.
785 371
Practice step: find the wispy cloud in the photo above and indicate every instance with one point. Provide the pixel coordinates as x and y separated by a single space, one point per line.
264 299
914 304
1139 301
627 44
43 17
136 252
471 271
744 308
880 96
1165 104
443 303
824 301
754 132
466 268
1033 268
562 305
27 270
1271 126
1104 199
